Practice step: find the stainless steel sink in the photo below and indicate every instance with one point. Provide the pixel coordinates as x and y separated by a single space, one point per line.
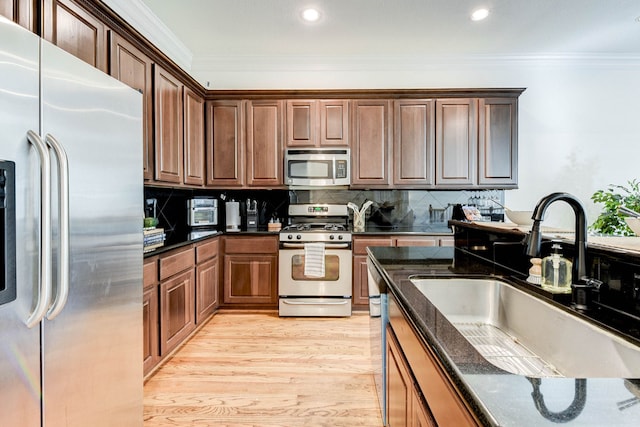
524 335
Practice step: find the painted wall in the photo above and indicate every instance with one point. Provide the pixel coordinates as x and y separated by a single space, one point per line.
579 127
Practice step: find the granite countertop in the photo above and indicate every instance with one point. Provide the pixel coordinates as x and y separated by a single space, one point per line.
183 239
628 244
498 397
424 229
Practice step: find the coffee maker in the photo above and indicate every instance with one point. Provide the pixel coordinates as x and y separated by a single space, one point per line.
252 215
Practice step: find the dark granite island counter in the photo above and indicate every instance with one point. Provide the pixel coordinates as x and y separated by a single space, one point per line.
496 397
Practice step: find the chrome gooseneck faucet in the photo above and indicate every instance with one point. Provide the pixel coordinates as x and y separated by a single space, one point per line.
533 244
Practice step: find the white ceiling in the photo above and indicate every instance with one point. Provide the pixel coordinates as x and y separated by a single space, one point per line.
215 30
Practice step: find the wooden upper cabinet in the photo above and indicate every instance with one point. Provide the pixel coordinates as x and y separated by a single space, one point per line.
371 154
334 122
317 123
193 138
302 123
456 142
168 126
225 143
73 29
132 67
413 142
498 142
22 12
264 143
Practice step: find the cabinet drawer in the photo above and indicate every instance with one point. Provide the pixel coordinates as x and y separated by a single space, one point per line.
149 272
206 250
176 262
360 244
417 241
251 245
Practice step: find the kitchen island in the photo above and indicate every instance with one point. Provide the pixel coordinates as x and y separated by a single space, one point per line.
490 395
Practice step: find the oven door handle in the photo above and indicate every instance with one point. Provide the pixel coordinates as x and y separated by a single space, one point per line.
346 301
327 246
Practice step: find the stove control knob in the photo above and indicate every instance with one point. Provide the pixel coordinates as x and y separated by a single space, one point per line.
299 237
331 237
340 237
290 237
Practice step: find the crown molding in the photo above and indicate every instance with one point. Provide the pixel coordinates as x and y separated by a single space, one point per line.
393 62
140 17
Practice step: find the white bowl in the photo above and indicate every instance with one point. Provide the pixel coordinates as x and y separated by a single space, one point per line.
521 218
634 224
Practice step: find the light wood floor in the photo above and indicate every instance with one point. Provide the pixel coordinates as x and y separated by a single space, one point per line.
258 369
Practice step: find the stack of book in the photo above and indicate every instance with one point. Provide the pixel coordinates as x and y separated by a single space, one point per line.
153 238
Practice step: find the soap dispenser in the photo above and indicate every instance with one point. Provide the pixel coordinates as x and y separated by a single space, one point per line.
556 271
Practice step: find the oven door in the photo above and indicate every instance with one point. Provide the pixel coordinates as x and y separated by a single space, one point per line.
301 295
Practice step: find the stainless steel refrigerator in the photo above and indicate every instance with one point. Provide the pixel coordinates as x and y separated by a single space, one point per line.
71 212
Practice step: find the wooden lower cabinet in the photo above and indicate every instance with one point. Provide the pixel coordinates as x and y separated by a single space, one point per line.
443 404
250 279
206 289
176 310
404 405
399 386
150 316
251 271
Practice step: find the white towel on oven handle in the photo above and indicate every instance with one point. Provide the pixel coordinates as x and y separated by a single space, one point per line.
314 259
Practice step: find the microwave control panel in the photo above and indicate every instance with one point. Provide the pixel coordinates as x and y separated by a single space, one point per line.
341 169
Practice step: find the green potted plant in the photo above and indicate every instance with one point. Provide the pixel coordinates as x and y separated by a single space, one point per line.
610 221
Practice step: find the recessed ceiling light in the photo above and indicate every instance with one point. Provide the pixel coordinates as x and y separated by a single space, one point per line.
310 15
479 14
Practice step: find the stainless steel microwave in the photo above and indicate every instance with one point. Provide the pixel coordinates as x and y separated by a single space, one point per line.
317 167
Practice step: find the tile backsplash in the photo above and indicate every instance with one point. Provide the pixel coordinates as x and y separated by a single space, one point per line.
399 208
406 207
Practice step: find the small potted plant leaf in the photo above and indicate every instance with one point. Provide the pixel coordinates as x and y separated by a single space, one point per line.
610 221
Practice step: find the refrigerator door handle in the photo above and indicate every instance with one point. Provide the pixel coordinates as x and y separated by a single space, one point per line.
63 219
44 285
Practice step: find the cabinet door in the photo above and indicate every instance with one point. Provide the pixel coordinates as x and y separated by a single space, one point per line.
168 126
334 123
360 282
150 343
302 123
250 279
176 310
22 12
206 289
264 143
399 386
456 142
420 415
413 142
225 143
370 143
498 142
73 29
193 138
416 241
132 67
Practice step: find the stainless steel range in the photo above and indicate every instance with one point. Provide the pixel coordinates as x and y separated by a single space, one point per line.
315 262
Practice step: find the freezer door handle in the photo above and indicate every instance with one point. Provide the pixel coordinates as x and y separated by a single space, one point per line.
44 281
63 225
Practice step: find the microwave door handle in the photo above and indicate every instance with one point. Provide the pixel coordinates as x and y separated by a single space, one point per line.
44 279
333 173
63 221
